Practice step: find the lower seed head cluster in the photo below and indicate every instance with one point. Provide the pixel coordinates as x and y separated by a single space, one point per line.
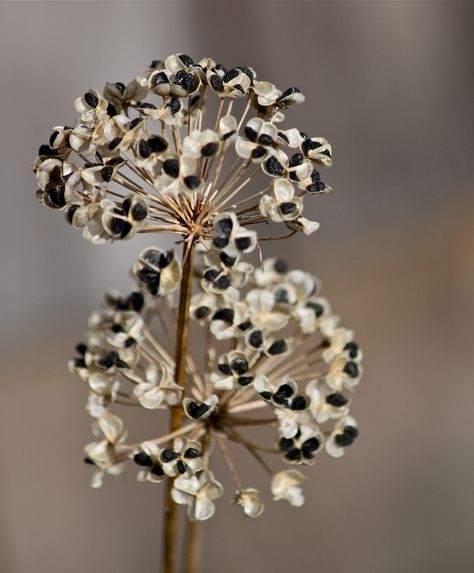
276 356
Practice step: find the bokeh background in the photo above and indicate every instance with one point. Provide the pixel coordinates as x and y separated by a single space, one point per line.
390 84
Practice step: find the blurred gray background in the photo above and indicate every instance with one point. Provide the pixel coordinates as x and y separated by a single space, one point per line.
390 84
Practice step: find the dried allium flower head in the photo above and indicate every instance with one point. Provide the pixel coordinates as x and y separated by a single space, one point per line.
200 151
276 357
147 157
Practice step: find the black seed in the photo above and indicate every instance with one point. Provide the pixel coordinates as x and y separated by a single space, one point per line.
224 369
129 342
352 348
171 167
144 149
243 243
351 369
192 181
174 105
160 78
197 410
136 300
53 137
336 399
245 380
187 61
142 459
126 204
316 307
283 136
256 339
116 328
228 134
293 455
120 86
180 467
281 296
91 99
166 259
151 280
89 461
310 446
46 150
274 167
288 92
146 105
81 348
326 152
239 366
114 143
265 139
135 122
216 83
139 212
116 161
258 152
186 81
266 395
109 360
296 159
107 172
280 399
111 110
316 187
227 261
347 437
299 403
157 143
168 455
247 71
121 364
225 226
287 207
54 197
211 275
278 347
230 75
119 227
244 325
223 282
251 134
280 266
202 312
79 363
308 145
209 149
192 453
153 256
225 314
157 470
286 390
220 242
285 444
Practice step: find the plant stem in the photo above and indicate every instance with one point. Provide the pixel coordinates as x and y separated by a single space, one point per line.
182 327
193 547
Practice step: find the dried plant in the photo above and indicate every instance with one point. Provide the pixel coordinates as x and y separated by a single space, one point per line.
147 158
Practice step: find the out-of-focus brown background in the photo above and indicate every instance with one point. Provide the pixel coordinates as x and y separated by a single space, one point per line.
391 86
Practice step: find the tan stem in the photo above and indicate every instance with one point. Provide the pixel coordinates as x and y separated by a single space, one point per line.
193 547
182 328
